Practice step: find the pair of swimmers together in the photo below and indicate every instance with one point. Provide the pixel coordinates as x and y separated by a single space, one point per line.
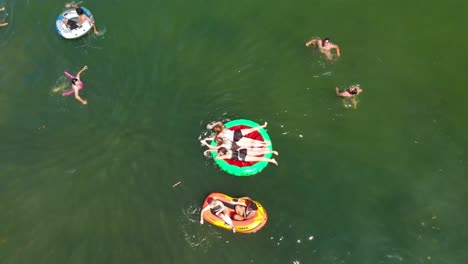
234 145
242 211
326 46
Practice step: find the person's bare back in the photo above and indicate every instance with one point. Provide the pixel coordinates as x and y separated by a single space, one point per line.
82 17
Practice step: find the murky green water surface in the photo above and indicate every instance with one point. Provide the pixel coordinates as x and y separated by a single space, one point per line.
384 183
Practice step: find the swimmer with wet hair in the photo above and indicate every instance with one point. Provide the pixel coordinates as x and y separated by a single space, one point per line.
3 24
351 94
325 46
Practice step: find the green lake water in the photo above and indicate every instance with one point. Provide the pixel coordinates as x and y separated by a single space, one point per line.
381 184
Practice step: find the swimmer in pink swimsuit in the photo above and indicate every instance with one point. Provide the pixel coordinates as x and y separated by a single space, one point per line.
77 85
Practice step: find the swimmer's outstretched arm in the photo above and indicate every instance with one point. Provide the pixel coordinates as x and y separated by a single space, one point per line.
337 50
82 70
202 212
221 157
341 94
210 138
312 41
203 141
209 146
92 23
337 91
206 153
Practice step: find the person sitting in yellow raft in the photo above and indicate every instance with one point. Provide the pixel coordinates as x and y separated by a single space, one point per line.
243 211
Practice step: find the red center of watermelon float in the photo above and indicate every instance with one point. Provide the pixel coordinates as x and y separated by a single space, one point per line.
254 135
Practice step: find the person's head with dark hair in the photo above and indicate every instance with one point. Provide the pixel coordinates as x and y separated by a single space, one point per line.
222 151
325 41
74 81
353 90
218 128
79 11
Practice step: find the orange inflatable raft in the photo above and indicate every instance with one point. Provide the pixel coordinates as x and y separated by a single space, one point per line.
251 225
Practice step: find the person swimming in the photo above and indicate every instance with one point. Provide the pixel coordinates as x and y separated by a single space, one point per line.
351 91
3 24
77 85
325 46
351 94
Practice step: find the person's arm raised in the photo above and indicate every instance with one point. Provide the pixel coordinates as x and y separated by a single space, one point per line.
337 50
82 70
312 41
202 212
